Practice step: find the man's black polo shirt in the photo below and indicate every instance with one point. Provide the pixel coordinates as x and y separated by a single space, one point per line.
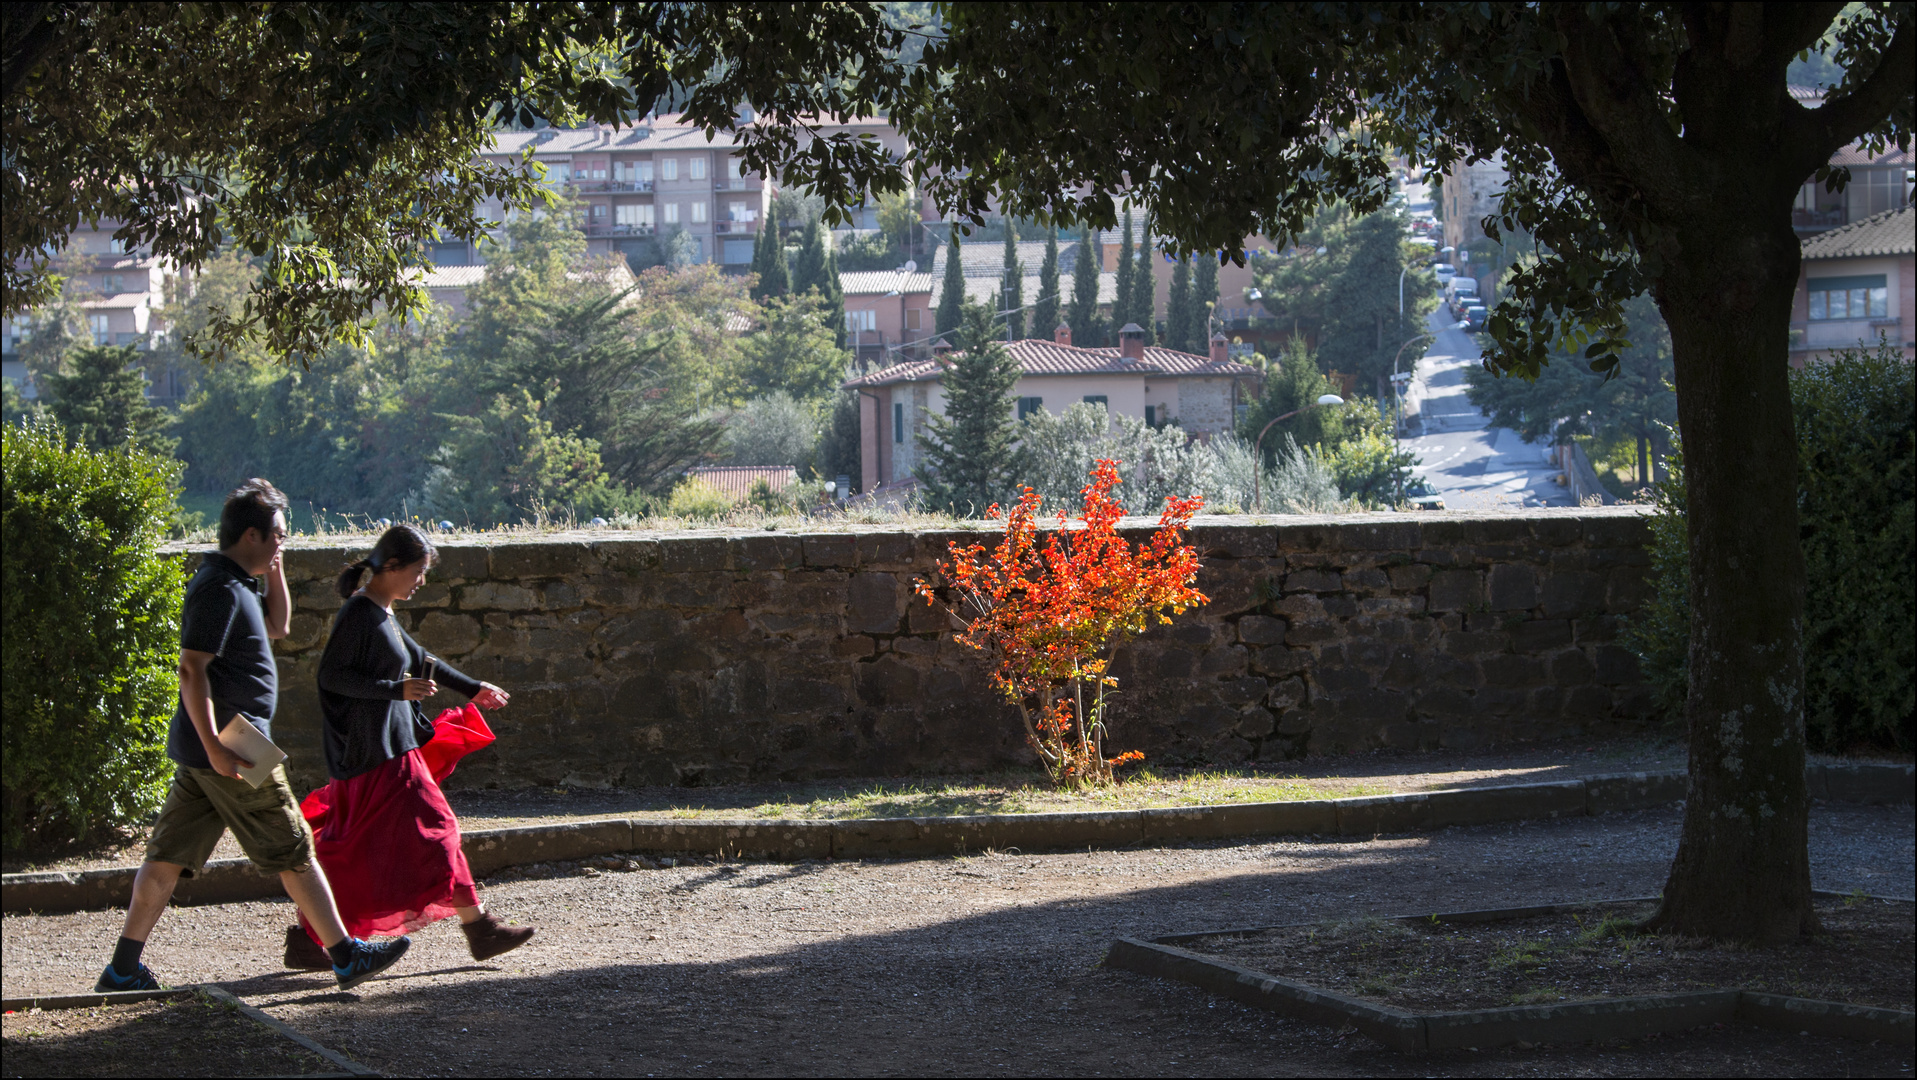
223 616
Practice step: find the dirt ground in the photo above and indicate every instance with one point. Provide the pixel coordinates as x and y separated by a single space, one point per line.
984 965
194 1037
1323 777
1866 956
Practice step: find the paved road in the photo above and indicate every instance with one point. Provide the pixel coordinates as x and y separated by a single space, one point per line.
1474 465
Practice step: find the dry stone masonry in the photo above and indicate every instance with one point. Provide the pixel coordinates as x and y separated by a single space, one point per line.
708 657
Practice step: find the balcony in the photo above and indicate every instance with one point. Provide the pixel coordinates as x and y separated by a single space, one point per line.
1843 333
731 183
1817 220
735 227
595 186
621 230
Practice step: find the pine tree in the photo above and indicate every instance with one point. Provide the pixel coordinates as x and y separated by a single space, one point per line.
768 261
1204 297
1087 329
1012 293
952 291
1145 286
102 404
1179 333
1045 315
968 457
1122 299
808 272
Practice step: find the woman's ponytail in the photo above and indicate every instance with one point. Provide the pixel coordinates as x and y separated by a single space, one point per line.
349 578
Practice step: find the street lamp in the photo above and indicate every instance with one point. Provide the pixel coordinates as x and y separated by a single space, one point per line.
1258 450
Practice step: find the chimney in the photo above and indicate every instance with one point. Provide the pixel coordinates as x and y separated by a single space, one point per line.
1062 334
940 348
1131 341
1219 349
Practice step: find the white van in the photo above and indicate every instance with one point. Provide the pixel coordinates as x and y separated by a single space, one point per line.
1458 285
1445 272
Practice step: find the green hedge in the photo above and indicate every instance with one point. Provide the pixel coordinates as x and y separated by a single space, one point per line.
92 635
1856 420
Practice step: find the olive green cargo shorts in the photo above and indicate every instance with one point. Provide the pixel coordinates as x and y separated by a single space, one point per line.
201 805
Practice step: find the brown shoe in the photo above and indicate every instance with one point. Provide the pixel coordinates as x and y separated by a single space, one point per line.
488 937
305 954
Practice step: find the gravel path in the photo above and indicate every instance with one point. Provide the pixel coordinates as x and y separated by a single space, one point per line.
951 966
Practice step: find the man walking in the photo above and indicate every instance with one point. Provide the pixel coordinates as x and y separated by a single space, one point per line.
227 670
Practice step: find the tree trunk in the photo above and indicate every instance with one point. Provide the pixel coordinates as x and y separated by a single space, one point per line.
1742 869
1643 461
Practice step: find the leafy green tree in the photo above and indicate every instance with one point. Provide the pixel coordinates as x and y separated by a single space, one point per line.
1361 302
130 114
840 451
1370 466
92 642
951 309
1679 177
1636 402
102 404
1180 332
507 464
899 219
1088 330
768 262
1045 313
1127 292
793 352
1294 382
773 430
968 456
17 409
1012 293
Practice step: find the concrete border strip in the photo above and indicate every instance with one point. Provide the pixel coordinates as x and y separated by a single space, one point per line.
50 1002
491 850
221 994
1572 1021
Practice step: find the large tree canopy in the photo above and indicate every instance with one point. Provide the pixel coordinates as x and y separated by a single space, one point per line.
1649 146
337 141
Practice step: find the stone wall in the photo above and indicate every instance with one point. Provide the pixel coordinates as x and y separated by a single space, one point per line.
689 658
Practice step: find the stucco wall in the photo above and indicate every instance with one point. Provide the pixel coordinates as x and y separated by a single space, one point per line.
641 658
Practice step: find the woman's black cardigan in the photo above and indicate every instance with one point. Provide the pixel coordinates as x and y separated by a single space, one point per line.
360 675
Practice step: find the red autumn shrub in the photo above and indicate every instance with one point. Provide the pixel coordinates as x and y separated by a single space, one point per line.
1048 612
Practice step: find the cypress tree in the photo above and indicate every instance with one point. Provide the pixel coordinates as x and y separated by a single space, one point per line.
1204 296
952 291
1145 286
1122 299
833 295
1045 315
768 261
1179 333
1012 293
102 404
809 271
1087 333
968 457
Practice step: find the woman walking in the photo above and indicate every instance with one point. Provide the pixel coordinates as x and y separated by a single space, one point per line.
389 842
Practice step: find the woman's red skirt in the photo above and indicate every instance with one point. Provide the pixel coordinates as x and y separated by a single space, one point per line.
388 841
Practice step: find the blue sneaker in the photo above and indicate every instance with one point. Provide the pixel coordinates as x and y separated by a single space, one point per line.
369 959
112 982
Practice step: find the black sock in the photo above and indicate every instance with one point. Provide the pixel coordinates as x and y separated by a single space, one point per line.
342 953
126 957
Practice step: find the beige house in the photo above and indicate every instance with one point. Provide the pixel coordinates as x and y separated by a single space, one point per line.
119 292
1202 394
1856 287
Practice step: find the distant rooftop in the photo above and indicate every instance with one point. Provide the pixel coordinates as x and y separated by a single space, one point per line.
1043 357
1893 232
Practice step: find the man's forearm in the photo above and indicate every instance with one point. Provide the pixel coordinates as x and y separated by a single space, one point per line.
279 603
196 694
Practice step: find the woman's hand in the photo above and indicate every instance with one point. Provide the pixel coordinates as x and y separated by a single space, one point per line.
417 689
491 697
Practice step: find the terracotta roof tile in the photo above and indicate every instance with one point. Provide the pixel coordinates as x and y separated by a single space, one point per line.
736 480
1040 357
1893 232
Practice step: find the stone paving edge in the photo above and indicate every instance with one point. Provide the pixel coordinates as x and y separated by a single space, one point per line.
491 850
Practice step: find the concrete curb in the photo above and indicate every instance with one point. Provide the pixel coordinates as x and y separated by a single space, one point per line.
491 850
51 1002
346 1064
1570 1022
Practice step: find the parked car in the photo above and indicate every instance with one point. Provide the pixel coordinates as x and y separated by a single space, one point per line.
1474 317
1420 495
1459 286
1445 272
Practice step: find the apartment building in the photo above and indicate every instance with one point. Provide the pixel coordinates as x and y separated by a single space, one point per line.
119 293
641 184
1858 287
